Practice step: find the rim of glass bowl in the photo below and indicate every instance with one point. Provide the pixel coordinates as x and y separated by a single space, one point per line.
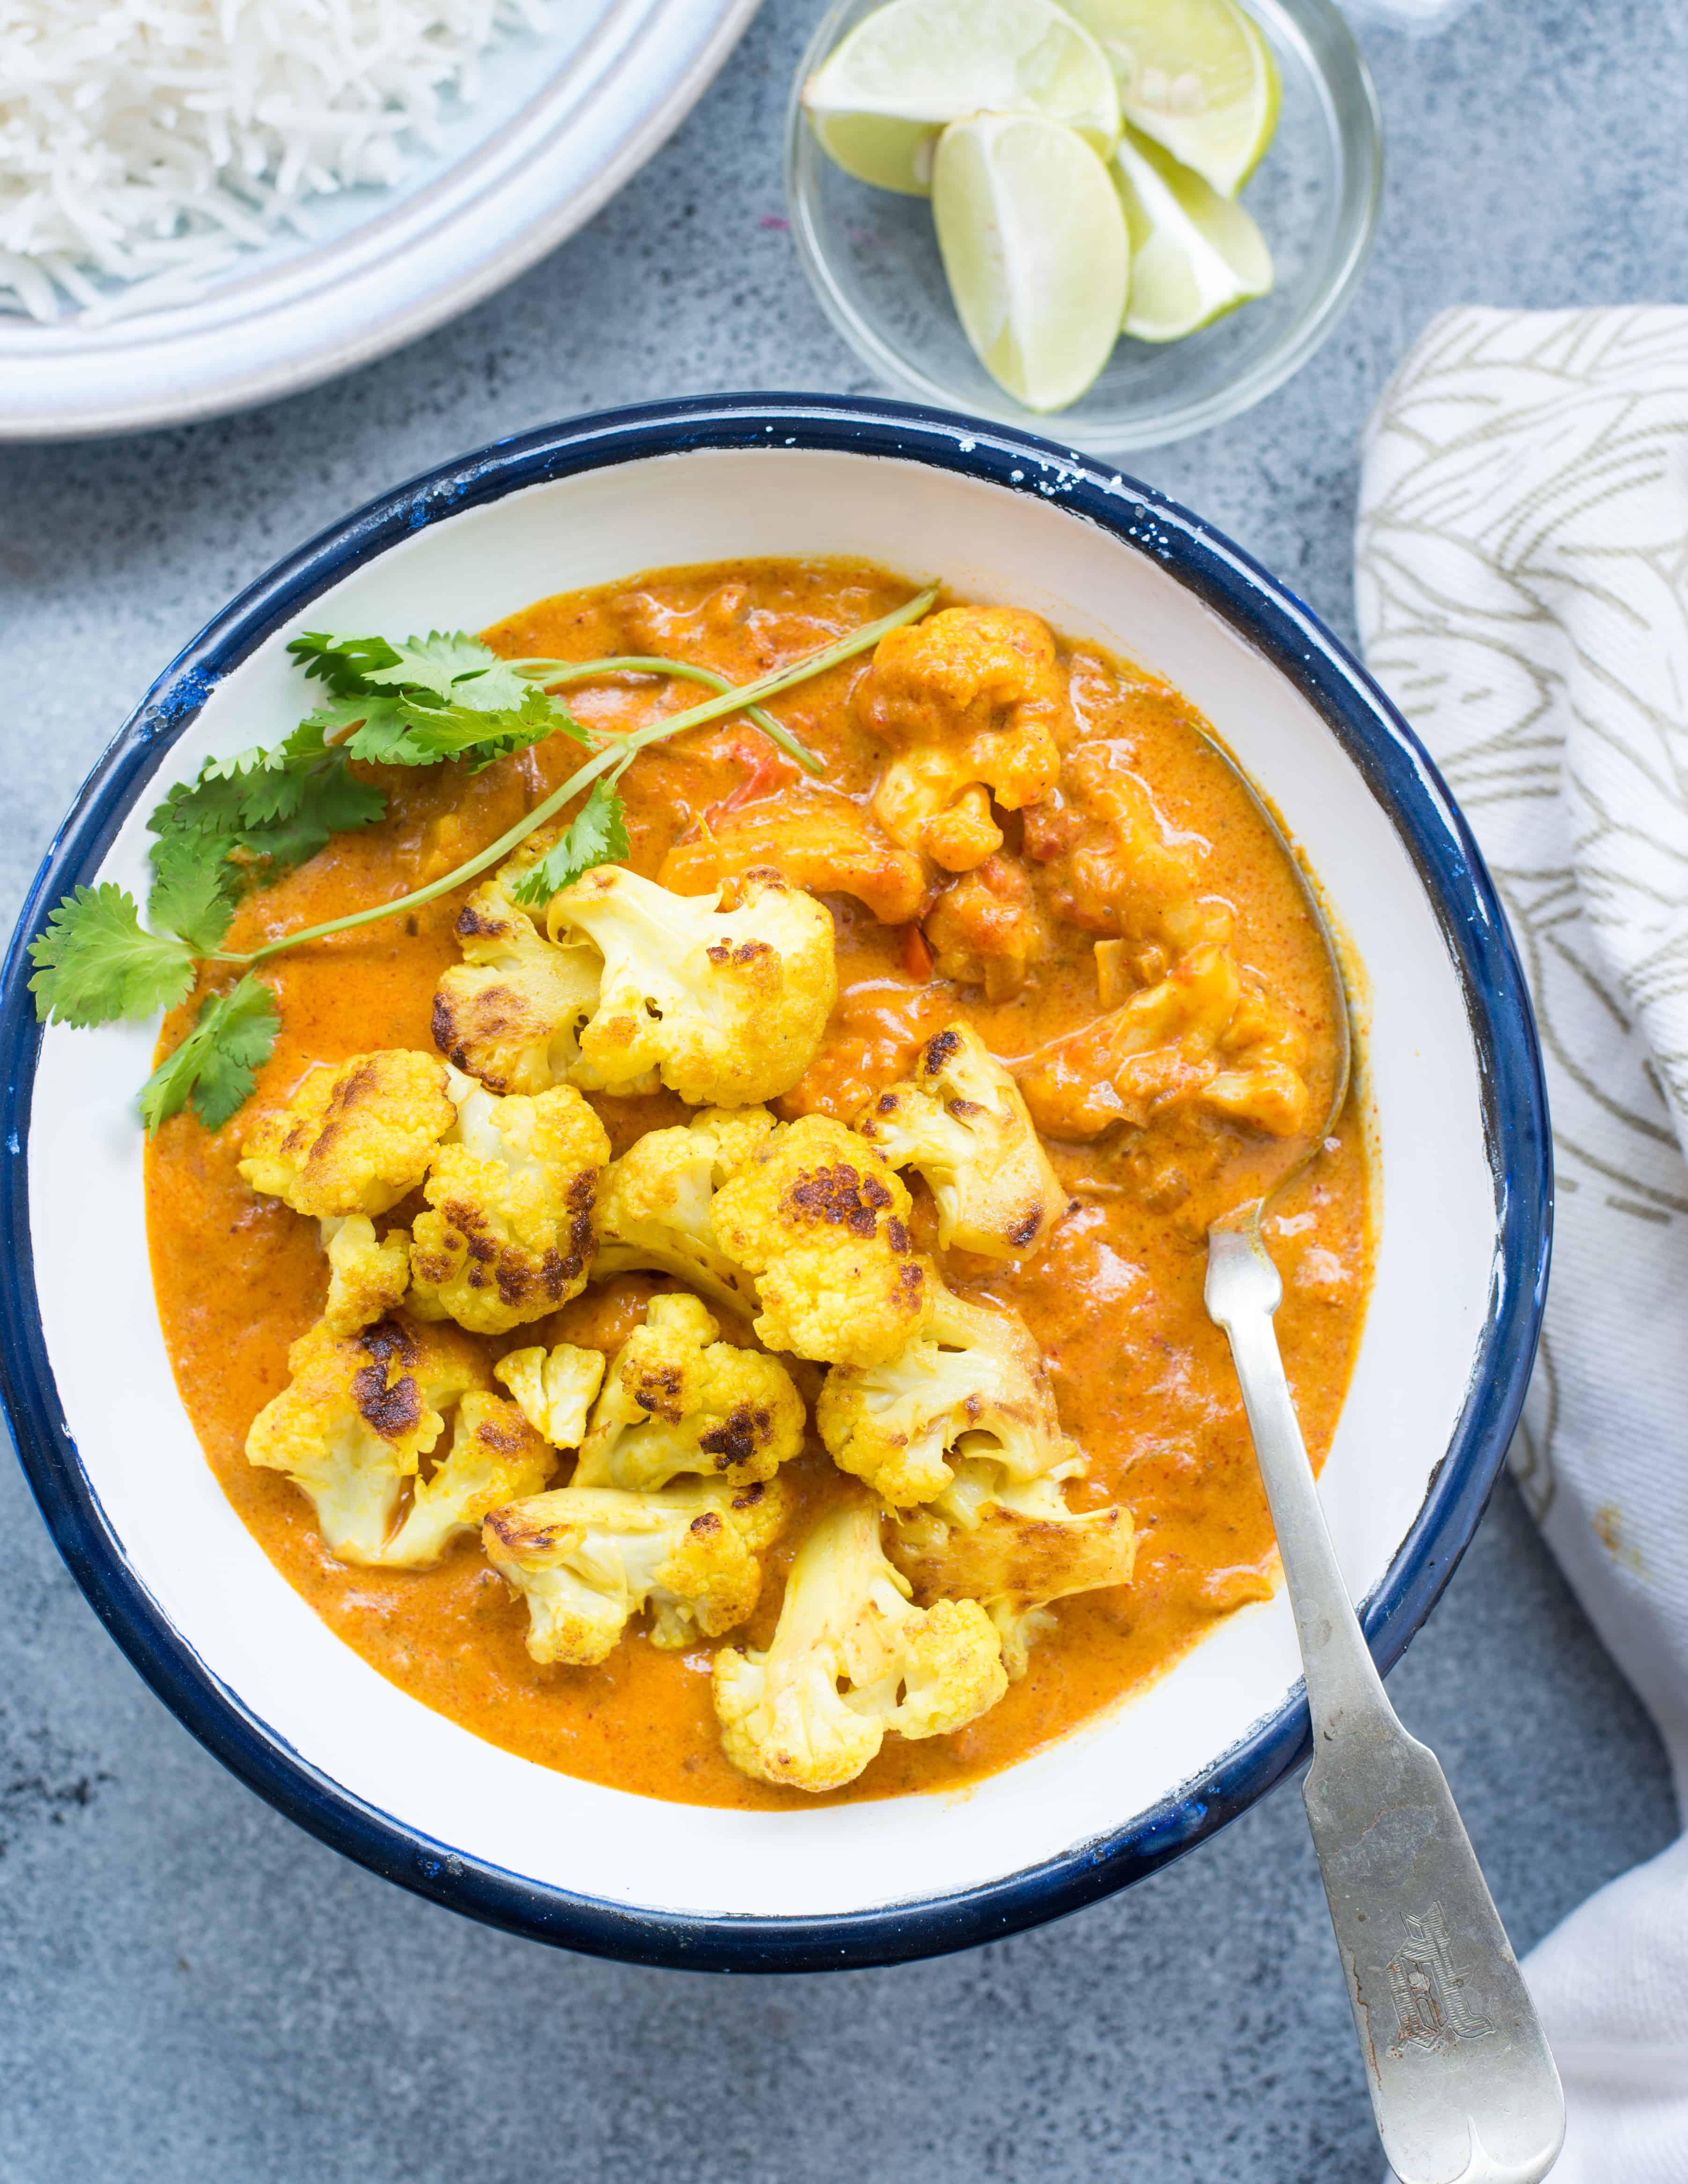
1350 100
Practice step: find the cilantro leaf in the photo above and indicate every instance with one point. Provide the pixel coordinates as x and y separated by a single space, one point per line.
422 736
598 836
192 891
457 669
343 663
216 1066
97 962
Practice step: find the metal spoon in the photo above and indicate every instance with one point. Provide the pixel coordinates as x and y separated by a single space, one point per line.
1463 2086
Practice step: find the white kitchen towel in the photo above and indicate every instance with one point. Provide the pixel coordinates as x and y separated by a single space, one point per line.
1521 590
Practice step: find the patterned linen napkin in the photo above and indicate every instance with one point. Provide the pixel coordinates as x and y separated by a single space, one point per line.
1522 585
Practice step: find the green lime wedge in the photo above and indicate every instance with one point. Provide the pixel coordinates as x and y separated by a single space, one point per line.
1197 76
1034 245
878 102
1194 255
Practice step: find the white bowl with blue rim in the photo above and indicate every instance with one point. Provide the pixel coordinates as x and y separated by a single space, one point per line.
1450 1075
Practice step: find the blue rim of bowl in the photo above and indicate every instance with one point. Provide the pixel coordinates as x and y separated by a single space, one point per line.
1515 1121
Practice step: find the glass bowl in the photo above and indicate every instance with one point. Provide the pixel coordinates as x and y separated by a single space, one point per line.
873 256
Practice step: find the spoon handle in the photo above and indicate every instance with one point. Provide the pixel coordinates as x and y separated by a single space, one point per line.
1462 2083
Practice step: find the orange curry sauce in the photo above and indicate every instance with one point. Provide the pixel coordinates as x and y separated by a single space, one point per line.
1115 1297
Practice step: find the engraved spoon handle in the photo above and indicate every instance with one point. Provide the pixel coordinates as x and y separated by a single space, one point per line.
1462 2083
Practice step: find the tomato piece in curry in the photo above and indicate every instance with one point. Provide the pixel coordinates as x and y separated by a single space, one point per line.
1114 1297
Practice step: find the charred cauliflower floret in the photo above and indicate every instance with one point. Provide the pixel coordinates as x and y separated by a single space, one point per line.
587 1558
1206 1035
851 1660
821 1221
367 1275
960 1121
677 1399
973 703
513 1210
723 997
1014 1549
972 1383
554 1389
355 1138
986 929
658 1200
816 840
496 1456
511 1013
356 1419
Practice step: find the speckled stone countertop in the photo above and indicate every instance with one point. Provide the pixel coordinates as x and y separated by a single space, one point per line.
189 1989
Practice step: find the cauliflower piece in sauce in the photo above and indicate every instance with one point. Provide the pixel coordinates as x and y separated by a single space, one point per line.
495 1457
355 1420
852 1660
821 1220
512 1221
367 1276
677 1400
973 1383
355 1138
960 1121
554 1389
973 702
657 1203
587 1558
986 929
723 998
512 1012
816 839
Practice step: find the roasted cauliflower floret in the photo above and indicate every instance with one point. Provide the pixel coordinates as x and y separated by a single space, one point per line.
511 1013
986 929
973 702
1206 1035
367 1276
723 997
960 1121
851 1659
587 1558
554 1389
355 1138
677 1399
512 1221
658 1198
357 1416
816 840
1014 1549
496 1456
971 1383
821 1221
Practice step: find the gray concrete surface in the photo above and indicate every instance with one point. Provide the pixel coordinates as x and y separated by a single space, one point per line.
192 1990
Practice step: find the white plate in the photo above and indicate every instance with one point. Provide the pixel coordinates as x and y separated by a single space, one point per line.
524 167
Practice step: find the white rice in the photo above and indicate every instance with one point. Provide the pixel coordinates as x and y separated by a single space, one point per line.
144 144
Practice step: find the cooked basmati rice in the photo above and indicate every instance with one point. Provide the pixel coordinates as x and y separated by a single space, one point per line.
145 143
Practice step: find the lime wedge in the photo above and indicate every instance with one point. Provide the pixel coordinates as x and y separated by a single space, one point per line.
1034 244
879 102
1197 76
1194 255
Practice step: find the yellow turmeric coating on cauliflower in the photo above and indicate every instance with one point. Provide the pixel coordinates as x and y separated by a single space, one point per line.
1206 1035
355 1420
512 1221
973 702
355 1138
1014 1549
554 1389
587 1558
815 839
852 1659
677 1400
658 1197
496 1456
960 1121
367 1277
723 998
512 1012
821 1220
973 1383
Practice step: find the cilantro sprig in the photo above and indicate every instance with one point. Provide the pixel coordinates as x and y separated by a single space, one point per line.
242 820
